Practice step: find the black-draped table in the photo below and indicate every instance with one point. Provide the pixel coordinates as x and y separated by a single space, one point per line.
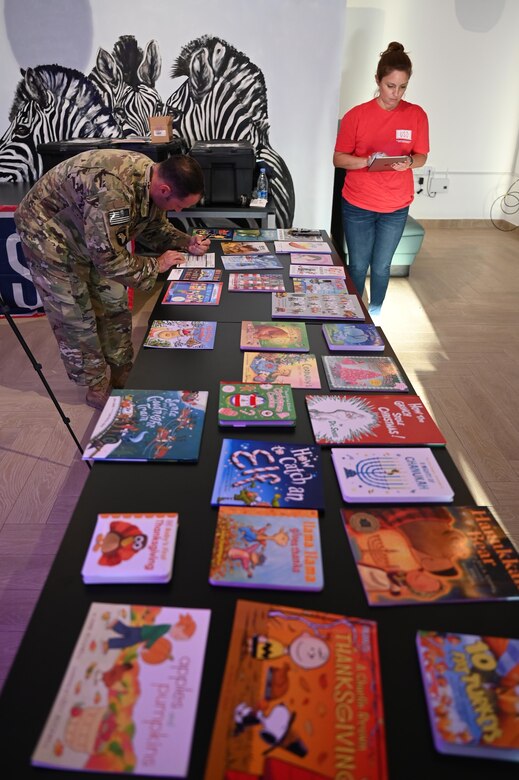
44 653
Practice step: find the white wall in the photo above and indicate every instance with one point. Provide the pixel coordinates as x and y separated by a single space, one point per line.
465 56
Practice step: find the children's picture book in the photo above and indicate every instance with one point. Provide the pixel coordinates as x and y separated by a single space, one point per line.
307 258
345 372
127 703
214 234
202 293
250 262
345 337
301 696
143 425
255 547
372 419
286 368
317 286
131 548
245 248
287 247
195 274
374 475
255 234
248 403
197 261
432 554
295 234
317 271
181 334
470 683
274 336
341 306
256 283
265 473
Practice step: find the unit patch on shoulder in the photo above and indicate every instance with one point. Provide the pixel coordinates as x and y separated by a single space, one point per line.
119 216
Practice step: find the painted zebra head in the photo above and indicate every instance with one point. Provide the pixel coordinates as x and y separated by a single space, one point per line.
126 80
51 103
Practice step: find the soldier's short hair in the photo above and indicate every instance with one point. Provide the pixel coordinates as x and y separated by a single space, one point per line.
183 174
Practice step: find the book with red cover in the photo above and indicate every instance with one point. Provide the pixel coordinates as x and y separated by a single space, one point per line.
301 695
371 419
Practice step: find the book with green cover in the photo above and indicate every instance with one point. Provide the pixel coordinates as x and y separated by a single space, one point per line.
250 403
274 336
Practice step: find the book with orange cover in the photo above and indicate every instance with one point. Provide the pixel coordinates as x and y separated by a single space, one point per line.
301 698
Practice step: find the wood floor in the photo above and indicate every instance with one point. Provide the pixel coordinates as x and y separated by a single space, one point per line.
454 324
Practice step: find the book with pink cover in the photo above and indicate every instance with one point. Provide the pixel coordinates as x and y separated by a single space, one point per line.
296 245
310 258
285 368
128 700
256 283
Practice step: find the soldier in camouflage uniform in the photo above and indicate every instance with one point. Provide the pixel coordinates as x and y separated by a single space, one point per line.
75 226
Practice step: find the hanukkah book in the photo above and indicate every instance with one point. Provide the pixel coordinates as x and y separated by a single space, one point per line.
265 473
250 262
361 336
214 234
255 547
296 245
432 555
308 258
470 684
202 293
286 368
197 261
341 306
147 425
256 282
255 234
131 548
181 334
372 419
274 336
317 271
317 286
245 248
345 372
373 475
248 403
127 703
301 696
195 274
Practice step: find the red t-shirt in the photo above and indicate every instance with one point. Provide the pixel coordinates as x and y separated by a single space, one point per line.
368 128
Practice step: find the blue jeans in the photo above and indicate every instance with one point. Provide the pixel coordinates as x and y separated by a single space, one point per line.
372 237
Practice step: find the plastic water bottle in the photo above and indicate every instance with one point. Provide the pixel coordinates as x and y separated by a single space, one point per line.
262 187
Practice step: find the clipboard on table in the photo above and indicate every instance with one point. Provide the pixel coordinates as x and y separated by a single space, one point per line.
385 163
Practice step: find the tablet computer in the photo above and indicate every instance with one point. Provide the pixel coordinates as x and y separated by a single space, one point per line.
385 163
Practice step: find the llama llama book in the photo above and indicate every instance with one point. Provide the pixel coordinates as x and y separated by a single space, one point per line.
128 700
274 336
144 425
301 306
363 373
286 368
131 548
256 283
256 547
248 403
471 689
301 696
371 419
265 473
346 338
201 293
390 474
431 555
181 334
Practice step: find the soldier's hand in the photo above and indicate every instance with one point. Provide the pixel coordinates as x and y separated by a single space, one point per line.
168 259
198 245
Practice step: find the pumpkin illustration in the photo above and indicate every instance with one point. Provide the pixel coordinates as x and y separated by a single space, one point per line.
160 651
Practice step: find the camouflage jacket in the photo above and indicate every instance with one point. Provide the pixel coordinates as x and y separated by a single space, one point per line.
89 207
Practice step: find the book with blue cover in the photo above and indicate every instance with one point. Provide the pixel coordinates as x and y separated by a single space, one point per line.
265 473
347 337
149 425
256 547
250 262
201 293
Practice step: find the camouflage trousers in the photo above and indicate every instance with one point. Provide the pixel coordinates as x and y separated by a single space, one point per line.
88 314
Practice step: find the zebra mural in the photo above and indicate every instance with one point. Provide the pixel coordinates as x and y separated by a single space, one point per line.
126 79
225 97
51 103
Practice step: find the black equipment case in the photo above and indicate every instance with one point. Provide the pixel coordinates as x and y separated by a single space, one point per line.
228 168
54 152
